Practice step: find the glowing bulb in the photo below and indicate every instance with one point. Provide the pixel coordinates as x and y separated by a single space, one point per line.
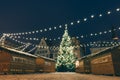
110 31
41 30
45 29
94 42
77 37
91 34
66 25
100 33
119 28
18 36
71 23
108 12
36 31
34 38
92 16
60 26
50 28
100 15
87 44
114 30
55 28
22 33
95 34
33 32
45 38
85 19
19 33
29 32
81 45
78 21
11 36
58 37
118 9
82 36
26 33
105 32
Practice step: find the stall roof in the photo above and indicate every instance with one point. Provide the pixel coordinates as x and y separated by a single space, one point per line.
24 53
17 51
93 54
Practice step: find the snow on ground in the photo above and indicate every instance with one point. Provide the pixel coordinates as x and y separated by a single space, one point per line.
58 76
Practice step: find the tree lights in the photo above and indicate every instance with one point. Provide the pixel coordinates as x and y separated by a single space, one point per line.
66 58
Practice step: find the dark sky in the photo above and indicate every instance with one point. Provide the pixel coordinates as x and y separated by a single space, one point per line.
29 15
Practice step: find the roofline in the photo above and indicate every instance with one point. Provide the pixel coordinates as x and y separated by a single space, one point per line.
46 58
93 54
20 52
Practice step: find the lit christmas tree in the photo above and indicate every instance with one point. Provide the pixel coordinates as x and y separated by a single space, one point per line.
66 58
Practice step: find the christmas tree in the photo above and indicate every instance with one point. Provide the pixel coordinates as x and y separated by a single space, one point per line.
66 58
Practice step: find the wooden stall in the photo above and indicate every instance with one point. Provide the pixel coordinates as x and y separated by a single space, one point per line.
5 59
116 60
44 64
106 62
84 65
14 61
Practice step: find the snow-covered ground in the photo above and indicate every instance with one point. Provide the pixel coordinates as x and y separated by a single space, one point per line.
58 76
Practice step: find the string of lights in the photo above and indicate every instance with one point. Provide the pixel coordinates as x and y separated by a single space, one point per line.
32 49
58 38
62 26
91 44
17 41
20 47
26 46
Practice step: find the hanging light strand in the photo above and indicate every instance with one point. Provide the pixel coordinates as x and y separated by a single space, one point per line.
58 38
62 26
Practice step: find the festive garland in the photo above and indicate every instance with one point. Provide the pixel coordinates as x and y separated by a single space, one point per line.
60 26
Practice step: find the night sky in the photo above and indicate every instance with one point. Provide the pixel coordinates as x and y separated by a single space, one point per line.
29 15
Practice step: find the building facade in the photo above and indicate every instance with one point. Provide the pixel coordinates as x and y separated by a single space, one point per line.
50 49
47 49
43 49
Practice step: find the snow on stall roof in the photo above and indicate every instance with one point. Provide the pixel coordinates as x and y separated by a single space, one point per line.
99 52
25 53
105 49
20 52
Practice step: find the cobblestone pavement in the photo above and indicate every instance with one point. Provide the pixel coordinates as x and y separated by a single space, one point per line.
58 76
